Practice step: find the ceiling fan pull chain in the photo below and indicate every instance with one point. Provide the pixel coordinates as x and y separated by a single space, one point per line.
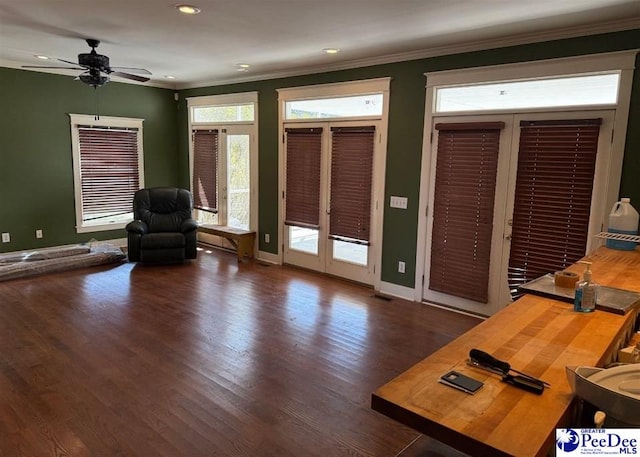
97 116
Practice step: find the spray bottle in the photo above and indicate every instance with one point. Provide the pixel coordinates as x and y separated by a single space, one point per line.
586 292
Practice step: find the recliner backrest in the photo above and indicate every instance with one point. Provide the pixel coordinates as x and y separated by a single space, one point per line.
162 208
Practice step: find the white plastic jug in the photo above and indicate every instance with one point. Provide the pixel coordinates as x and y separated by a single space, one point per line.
623 219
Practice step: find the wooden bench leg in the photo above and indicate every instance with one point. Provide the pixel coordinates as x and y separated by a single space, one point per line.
245 246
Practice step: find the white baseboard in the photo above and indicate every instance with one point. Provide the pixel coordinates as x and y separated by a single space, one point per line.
394 290
268 257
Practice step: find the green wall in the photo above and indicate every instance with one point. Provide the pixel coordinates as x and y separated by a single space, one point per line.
36 184
36 171
406 116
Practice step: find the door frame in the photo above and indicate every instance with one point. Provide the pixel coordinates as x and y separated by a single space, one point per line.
623 61
351 88
499 212
325 262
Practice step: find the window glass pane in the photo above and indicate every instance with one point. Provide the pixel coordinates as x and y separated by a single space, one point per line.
350 252
303 239
321 108
569 91
205 217
230 113
239 182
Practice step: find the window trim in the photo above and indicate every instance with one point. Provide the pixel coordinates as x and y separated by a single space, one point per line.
77 120
591 63
251 128
336 90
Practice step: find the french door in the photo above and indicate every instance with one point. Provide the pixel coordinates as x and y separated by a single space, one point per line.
512 197
330 199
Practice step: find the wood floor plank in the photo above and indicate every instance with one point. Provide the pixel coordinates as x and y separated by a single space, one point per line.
209 358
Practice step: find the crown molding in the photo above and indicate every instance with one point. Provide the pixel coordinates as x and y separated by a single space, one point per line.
459 48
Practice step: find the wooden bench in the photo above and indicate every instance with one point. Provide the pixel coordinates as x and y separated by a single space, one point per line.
242 240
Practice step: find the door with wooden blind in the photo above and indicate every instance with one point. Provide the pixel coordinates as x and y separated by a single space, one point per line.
329 197
553 205
510 200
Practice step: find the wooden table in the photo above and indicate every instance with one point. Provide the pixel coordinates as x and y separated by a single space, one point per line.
537 335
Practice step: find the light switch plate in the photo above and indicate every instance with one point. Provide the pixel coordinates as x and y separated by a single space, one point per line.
399 202
6 238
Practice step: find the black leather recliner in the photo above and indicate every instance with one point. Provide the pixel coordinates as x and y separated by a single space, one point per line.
163 230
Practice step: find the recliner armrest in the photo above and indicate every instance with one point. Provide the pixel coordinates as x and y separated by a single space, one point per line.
188 225
137 226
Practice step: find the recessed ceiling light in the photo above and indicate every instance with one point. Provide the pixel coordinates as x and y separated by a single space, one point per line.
169 76
331 50
188 9
243 65
39 56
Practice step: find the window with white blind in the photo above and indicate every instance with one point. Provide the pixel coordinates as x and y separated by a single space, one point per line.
107 169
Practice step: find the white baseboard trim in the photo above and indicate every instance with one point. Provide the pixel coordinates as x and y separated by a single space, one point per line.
455 310
268 257
394 290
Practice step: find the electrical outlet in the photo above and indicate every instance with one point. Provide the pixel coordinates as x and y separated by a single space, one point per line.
267 238
6 238
39 233
400 266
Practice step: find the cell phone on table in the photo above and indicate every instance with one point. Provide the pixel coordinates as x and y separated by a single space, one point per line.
461 382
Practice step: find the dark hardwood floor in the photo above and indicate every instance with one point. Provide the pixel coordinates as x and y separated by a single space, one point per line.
210 358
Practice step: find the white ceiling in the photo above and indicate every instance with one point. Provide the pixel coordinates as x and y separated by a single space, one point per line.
286 37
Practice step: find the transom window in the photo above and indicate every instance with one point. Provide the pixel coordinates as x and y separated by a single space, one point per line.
223 113
335 107
580 90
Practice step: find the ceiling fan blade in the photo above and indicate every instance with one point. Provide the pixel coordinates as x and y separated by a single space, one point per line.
132 70
72 63
141 79
58 68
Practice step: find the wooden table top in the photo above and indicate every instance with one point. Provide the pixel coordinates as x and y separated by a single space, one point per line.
537 335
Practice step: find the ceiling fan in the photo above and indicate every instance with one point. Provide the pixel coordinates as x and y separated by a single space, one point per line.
96 68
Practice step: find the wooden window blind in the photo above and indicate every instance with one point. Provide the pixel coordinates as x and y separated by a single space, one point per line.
351 179
205 170
304 151
109 171
556 165
466 168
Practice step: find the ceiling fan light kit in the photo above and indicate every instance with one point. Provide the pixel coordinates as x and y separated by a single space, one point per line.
97 69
